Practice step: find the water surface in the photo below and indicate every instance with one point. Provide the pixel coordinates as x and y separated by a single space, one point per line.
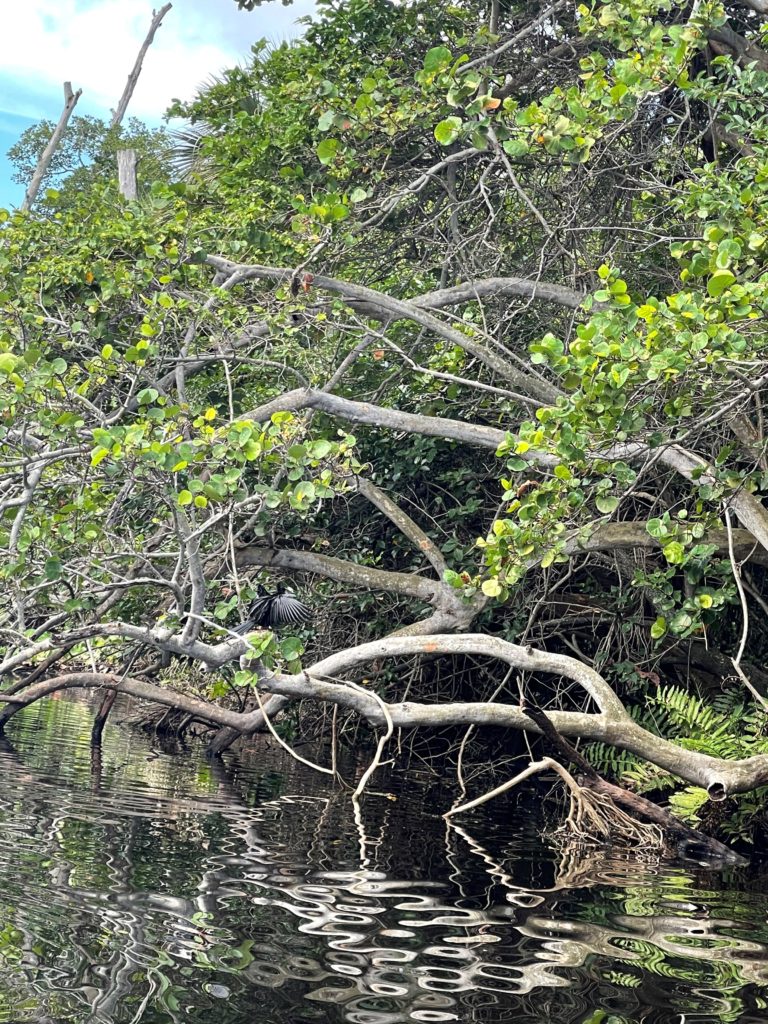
158 888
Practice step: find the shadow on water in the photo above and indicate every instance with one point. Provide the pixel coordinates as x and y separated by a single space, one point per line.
153 888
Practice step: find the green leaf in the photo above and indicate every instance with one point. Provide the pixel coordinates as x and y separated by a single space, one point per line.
436 59
291 648
606 503
674 552
447 131
8 362
184 498
327 150
659 628
515 147
720 280
491 588
98 455
656 528
52 569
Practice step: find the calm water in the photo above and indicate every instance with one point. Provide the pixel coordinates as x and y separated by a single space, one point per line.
159 888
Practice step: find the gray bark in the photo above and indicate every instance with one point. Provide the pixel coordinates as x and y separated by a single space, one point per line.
70 102
130 85
126 173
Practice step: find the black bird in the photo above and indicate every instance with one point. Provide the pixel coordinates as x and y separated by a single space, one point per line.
274 610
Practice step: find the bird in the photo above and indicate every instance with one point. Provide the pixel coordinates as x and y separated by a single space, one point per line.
272 611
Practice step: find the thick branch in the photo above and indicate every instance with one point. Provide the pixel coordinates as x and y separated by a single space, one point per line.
213 655
634 534
376 415
339 569
528 383
725 42
611 725
499 287
403 522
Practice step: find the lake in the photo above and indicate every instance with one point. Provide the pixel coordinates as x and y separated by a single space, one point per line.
154 887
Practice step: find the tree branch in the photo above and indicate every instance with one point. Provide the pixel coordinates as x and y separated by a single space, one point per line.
133 77
535 386
611 724
70 102
404 523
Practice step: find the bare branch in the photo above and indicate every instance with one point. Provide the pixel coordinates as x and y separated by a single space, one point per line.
530 384
611 724
403 522
70 102
133 77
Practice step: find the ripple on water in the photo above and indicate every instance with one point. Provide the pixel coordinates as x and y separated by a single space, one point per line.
149 887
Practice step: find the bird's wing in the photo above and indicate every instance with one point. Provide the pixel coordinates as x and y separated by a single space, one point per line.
288 610
258 613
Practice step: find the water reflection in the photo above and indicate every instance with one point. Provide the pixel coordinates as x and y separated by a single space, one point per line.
151 888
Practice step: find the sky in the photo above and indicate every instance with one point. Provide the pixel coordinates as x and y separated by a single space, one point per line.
94 43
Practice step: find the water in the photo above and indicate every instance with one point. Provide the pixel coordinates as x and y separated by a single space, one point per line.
156 888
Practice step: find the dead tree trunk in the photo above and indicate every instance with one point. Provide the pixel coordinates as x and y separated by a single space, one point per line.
70 102
130 85
126 173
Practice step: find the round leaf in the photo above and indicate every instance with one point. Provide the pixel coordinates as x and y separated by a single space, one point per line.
447 131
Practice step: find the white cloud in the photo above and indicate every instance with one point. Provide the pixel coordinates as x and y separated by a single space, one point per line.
94 45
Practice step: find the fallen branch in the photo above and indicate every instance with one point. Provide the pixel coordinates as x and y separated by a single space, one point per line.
610 723
638 806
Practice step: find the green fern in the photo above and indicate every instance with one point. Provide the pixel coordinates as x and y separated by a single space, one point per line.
725 727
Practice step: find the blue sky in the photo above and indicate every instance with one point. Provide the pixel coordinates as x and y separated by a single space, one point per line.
93 43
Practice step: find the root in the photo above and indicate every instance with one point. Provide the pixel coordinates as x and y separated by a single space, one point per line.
594 817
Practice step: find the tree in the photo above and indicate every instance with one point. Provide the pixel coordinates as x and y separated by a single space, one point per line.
536 294
87 153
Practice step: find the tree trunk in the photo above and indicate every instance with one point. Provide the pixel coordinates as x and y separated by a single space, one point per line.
126 173
70 102
130 85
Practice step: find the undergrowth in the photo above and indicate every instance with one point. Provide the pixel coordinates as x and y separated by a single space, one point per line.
725 726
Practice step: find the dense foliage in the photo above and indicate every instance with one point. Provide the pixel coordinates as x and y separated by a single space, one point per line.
522 253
